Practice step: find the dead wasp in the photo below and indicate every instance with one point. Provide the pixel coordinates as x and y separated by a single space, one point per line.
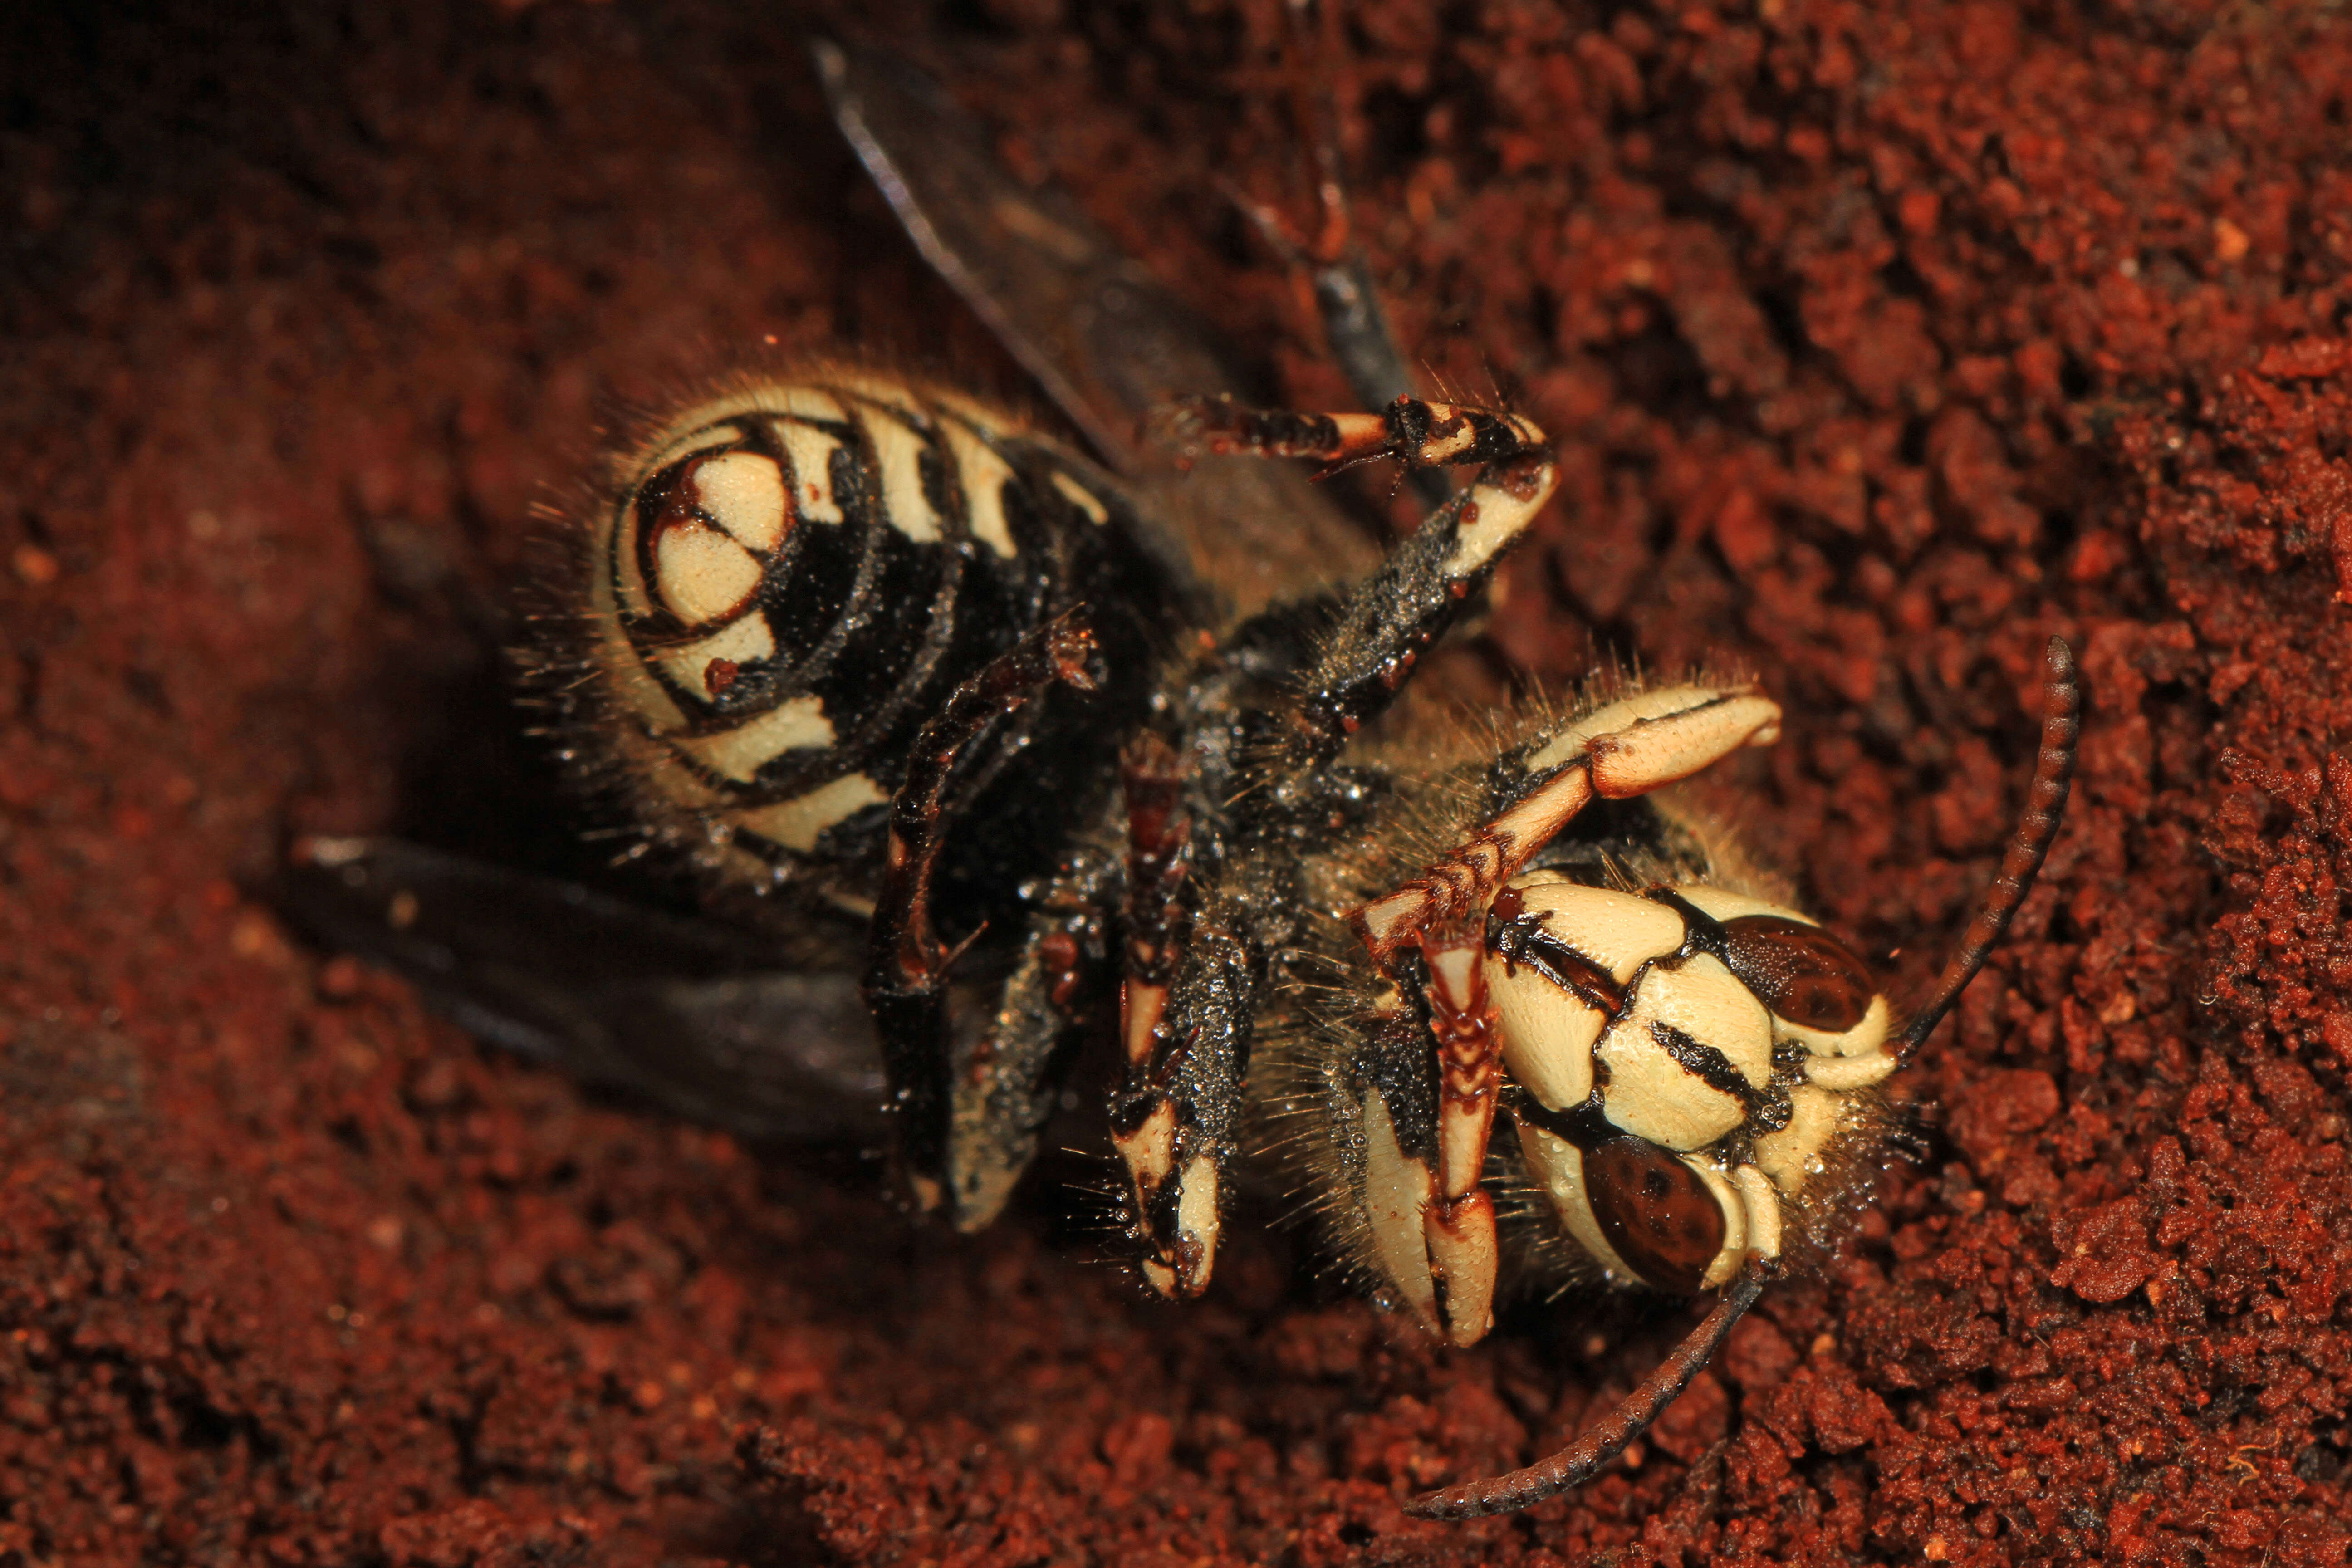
1020 751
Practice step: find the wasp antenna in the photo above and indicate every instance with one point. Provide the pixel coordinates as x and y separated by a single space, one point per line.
2037 825
1608 1438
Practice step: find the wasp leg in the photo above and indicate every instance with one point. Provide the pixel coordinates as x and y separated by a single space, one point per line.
1420 590
907 965
1355 327
1145 1113
1385 1098
1459 1225
1626 749
1004 1082
1409 430
1181 1122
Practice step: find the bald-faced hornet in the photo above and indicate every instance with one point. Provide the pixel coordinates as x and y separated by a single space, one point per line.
1017 753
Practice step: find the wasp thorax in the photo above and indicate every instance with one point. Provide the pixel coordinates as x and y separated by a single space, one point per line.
1683 1054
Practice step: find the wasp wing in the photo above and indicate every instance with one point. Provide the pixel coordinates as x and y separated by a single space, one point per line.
1100 334
687 1014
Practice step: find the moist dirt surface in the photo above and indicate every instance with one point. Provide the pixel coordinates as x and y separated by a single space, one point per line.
1880 343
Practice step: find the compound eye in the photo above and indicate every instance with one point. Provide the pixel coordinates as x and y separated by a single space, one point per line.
1656 1212
1802 972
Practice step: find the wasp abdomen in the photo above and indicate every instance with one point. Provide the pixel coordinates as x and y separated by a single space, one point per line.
793 577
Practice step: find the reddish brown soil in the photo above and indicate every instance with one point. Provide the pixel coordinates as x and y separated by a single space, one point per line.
1881 341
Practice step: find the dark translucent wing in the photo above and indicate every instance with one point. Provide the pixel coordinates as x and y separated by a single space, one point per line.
680 1012
1104 339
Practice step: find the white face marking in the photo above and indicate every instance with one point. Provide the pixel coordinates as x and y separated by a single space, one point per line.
1620 932
1558 1167
1648 1093
898 452
1638 759
745 493
1547 1035
701 574
1706 1001
1080 497
1762 1205
811 450
1849 1072
1793 1156
1396 1195
795 823
741 752
746 640
1725 905
983 474
1864 1039
1735 1225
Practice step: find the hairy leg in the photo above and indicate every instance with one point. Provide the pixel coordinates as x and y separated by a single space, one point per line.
1174 1121
1005 1077
1422 588
905 981
1147 1112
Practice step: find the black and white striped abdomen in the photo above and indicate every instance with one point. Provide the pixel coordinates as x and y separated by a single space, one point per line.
792 578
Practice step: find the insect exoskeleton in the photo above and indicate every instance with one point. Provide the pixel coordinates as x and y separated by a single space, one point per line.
1684 1058
1687 1064
1680 1054
780 584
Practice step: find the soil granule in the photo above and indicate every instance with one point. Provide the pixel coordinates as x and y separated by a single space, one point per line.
1880 343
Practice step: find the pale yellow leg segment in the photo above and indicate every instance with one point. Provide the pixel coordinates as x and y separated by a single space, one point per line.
1149 1150
1654 753
1149 1154
1191 1253
1459 1223
1628 748
1175 1209
1398 1192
